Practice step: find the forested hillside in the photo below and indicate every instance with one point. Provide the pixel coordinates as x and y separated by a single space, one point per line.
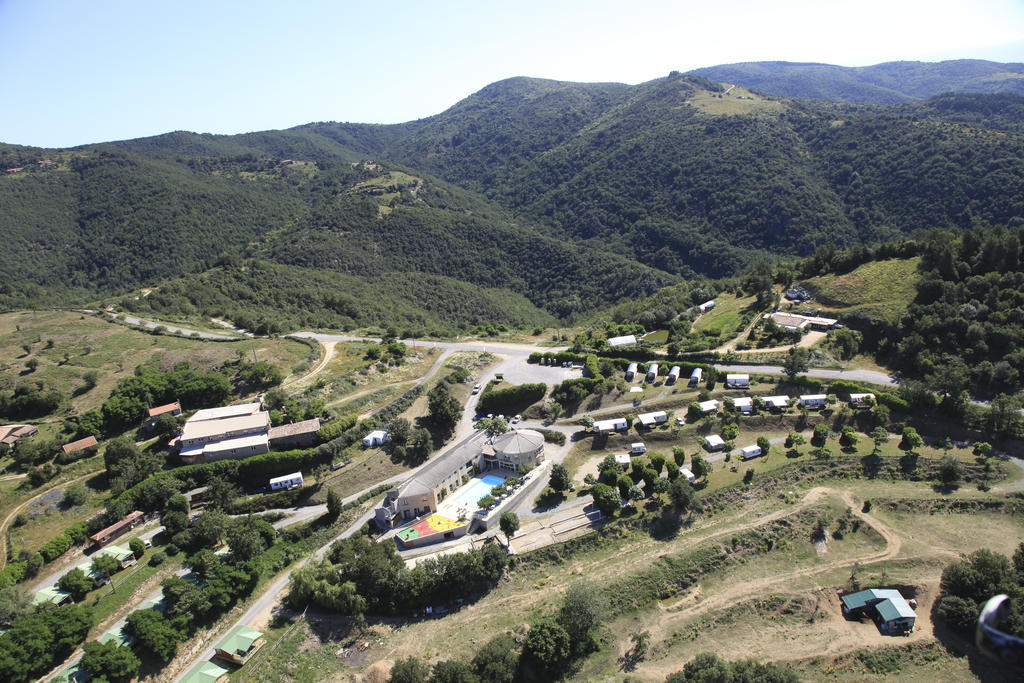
886 83
573 196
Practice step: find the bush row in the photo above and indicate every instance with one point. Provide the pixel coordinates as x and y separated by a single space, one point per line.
497 400
56 547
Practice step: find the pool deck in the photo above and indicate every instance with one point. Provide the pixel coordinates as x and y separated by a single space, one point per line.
456 504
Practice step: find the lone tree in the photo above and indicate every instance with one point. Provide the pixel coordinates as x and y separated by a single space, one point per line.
110 661
606 499
911 439
796 361
334 504
509 524
560 479
951 471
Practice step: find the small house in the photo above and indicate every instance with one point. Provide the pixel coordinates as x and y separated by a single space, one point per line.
650 420
614 425
294 435
239 645
125 557
737 381
375 438
748 452
673 375
637 448
861 400
652 372
52 595
206 672
714 442
709 406
286 481
626 340
152 414
706 306
631 372
776 403
196 496
744 404
886 606
813 400
101 538
685 471
81 444
695 376
9 434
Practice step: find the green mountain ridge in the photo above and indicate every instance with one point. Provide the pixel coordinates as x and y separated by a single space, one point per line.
576 196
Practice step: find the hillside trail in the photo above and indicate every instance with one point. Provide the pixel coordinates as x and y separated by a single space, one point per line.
753 587
328 348
15 511
731 344
808 340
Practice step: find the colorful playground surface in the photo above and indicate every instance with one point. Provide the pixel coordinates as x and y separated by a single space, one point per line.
434 524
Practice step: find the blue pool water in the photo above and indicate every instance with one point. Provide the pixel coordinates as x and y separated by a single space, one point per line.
476 489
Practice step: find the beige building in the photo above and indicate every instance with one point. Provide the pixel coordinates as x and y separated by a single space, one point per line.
513 449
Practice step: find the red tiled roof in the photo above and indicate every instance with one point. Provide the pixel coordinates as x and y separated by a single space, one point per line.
294 429
87 442
160 410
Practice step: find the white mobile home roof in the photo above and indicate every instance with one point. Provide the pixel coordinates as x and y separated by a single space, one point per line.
674 371
708 406
813 397
632 367
685 471
210 428
610 425
652 369
749 451
743 402
226 411
706 305
859 397
697 374
286 477
714 441
622 458
776 401
622 341
737 378
648 419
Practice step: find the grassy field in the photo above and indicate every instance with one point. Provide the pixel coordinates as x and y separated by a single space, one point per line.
737 101
69 345
886 287
726 318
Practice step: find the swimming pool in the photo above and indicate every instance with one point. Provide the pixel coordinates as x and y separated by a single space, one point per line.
476 489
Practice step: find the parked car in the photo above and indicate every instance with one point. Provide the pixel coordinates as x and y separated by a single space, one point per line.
476 389
516 419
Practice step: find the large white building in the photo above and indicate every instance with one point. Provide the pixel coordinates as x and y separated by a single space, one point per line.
222 438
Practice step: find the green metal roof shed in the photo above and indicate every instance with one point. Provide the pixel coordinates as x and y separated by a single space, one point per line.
205 672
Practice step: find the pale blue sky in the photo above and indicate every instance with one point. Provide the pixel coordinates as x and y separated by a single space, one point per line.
80 71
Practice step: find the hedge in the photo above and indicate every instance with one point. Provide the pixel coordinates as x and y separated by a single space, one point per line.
551 436
494 400
59 545
12 573
336 427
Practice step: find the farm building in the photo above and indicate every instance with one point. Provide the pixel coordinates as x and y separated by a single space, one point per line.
652 372
225 412
11 433
236 436
709 406
673 375
714 442
885 606
706 306
859 400
117 529
626 340
775 402
744 404
631 372
239 645
813 400
695 376
375 438
737 381
652 419
613 425
748 452
286 481
295 434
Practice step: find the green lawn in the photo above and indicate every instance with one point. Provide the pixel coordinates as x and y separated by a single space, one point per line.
884 286
726 318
